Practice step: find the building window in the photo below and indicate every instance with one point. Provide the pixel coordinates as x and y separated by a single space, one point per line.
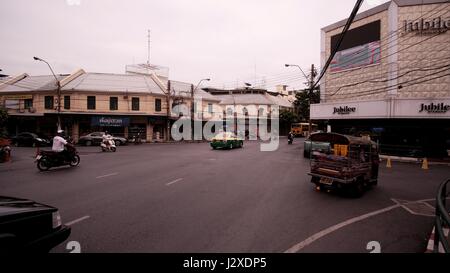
135 104
210 108
229 112
158 105
66 102
113 103
48 102
28 103
91 102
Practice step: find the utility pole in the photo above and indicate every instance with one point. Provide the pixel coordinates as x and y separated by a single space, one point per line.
168 110
192 112
310 95
193 103
58 84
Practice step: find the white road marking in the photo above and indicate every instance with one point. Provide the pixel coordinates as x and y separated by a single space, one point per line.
404 203
107 175
175 181
77 220
296 248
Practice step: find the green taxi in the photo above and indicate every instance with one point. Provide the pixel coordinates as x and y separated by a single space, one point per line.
226 140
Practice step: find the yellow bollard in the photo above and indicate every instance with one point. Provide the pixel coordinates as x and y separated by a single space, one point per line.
425 164
389 164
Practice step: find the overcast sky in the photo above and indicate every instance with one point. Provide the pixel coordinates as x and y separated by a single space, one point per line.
228 41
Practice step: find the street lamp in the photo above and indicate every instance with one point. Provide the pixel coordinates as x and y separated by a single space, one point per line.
295 65
192 104
58 85
311 84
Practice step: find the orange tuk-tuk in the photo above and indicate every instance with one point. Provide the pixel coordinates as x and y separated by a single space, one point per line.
343 161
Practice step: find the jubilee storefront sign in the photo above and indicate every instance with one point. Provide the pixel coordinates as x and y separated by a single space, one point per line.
343 110
434 108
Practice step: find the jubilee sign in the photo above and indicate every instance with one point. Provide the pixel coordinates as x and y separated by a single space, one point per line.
424 26
434 108
344 110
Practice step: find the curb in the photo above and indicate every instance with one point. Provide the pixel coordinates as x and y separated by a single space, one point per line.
412 160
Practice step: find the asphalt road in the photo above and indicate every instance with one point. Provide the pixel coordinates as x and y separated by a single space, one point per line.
190 198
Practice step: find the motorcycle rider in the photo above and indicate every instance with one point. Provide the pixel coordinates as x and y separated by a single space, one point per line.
290 137
59 143
107 138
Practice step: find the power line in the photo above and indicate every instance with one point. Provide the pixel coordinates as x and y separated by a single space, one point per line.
409 46
341 38
389 79
388 88
340 75
268 80
390 36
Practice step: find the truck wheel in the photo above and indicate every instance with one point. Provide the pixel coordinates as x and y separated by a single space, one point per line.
357 189
88 143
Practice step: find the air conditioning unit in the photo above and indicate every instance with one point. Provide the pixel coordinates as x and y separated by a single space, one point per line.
32 110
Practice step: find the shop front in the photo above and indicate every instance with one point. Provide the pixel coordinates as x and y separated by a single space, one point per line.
122 126
403 127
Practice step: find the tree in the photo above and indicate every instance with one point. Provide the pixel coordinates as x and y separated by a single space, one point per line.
302 102
3 120
286 119
288 116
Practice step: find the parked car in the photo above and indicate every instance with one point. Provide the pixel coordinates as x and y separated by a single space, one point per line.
27 226
29 139
95 138
309 145
226 140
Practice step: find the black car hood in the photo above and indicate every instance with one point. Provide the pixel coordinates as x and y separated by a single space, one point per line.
12 205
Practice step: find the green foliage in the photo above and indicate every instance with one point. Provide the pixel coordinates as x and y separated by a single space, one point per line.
288 116
302 102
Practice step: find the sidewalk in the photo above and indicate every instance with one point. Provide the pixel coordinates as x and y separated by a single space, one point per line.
431 161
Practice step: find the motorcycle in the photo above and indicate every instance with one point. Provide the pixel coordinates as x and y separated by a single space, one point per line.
108 146
5 153
49 159
136 139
